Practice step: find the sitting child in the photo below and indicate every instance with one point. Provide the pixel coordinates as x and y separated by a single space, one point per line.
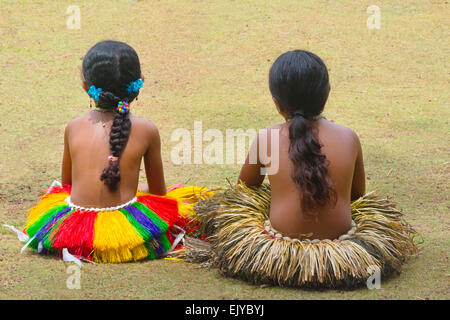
312 226
320 163
97 213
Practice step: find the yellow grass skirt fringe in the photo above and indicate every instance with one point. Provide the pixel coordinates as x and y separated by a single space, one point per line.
148 226
187 197
243 244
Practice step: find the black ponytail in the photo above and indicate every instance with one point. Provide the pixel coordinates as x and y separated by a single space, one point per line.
310 165
298 81
112 65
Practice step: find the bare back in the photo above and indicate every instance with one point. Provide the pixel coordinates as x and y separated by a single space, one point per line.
86 154
341 147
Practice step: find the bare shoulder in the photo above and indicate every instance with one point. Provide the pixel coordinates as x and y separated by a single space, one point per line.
342 131
268 130
266 135
274 127
75 123
145 127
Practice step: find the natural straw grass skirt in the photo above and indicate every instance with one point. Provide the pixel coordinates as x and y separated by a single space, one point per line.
243 244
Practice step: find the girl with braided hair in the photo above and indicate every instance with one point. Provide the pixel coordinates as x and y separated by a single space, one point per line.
97 213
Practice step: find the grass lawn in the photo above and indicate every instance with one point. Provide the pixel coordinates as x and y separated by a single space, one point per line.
208 61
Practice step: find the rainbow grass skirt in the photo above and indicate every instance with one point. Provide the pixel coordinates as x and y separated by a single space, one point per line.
145 228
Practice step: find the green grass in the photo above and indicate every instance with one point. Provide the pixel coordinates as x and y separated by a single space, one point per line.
208 61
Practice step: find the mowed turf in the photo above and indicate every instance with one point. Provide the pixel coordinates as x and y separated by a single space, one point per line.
208 61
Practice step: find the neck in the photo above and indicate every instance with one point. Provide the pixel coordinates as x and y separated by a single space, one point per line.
103 110
319 116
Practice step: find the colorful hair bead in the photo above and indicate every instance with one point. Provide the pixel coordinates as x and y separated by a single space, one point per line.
135 85
122 107
94 92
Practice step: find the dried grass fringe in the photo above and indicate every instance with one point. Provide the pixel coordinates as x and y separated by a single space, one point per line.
240 247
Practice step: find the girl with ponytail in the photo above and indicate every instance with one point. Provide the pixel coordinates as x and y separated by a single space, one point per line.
320 165
313 225
97 213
